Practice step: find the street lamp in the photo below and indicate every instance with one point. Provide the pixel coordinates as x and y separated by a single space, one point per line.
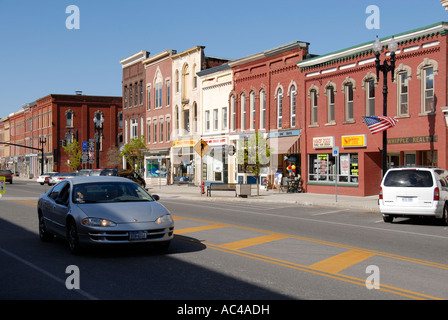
42 141
385 68
98 121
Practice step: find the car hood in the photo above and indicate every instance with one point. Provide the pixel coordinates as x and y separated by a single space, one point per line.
124 212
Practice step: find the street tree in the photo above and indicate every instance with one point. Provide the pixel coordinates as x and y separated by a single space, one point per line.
113 157
134 153
73 154
253 155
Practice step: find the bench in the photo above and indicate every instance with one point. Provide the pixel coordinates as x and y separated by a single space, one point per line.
220 187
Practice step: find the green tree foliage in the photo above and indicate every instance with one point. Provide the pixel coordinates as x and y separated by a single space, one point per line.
134 153
73 154
253 155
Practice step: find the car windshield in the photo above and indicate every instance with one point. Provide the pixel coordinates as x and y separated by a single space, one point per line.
106 192
409 178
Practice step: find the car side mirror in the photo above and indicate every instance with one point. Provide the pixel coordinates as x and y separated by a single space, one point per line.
155 197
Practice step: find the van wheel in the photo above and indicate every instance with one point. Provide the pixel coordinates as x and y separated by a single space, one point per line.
445 215
388 218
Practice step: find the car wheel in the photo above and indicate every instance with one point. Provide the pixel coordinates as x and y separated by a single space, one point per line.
388 218
41 183
44 235
72 237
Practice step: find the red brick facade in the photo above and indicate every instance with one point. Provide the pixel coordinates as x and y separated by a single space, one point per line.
134 96
47 119
270 76
420 136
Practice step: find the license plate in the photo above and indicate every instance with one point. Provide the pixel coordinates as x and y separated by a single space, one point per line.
137 235
407 199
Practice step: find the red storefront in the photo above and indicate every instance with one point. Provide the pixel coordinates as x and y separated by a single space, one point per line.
340 88
265 99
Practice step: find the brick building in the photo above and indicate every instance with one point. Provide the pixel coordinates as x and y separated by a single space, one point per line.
158 91
134 102
57 119
339 88
265 98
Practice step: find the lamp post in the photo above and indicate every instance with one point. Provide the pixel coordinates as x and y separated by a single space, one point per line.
385 68
42 141
98 121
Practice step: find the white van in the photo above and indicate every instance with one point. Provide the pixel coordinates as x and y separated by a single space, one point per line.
414 191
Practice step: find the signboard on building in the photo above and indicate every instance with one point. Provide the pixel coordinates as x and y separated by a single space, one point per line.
354 141
323 142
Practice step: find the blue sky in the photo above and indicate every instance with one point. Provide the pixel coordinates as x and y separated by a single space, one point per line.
39 55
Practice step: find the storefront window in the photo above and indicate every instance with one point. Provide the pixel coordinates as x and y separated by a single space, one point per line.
322 168
155 169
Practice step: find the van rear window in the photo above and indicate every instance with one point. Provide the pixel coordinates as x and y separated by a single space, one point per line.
409 178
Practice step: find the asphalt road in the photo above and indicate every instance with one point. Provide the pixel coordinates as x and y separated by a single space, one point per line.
231 251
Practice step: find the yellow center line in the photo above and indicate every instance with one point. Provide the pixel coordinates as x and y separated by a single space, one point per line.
236 245
32 203
340 277
341 261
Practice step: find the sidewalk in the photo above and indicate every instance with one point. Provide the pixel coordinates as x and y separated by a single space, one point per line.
187 192
368 204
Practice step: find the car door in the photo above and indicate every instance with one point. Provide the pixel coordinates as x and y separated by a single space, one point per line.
62 206
54 207
48 206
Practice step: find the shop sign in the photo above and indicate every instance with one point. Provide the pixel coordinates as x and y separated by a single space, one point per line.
354 141
323 142
217 141
418 139
287 133
184 143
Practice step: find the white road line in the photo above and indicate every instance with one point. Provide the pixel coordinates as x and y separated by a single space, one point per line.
315 220
46 273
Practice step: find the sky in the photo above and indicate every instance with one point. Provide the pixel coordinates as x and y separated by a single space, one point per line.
43 51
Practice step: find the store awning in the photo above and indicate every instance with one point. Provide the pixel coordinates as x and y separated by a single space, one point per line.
285 145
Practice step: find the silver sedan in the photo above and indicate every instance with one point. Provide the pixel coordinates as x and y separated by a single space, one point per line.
103 210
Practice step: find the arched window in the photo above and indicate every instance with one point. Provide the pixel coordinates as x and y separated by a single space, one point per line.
243 111
403 74
232 113
262 109
158 89
185 82
426 71
348 88
292 98
252 110
279 108
69 115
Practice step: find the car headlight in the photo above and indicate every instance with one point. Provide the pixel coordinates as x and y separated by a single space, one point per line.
164 219
97 222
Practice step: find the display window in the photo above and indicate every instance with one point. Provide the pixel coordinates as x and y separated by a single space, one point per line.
322 168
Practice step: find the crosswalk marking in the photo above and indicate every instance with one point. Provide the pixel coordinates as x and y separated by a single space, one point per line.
341 261
237 245
202 228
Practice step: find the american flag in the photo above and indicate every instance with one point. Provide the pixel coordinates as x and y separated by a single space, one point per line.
379 123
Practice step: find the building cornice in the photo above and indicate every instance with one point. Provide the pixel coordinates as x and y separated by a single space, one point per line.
362 49
187 52
162 55
268 53
136 57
